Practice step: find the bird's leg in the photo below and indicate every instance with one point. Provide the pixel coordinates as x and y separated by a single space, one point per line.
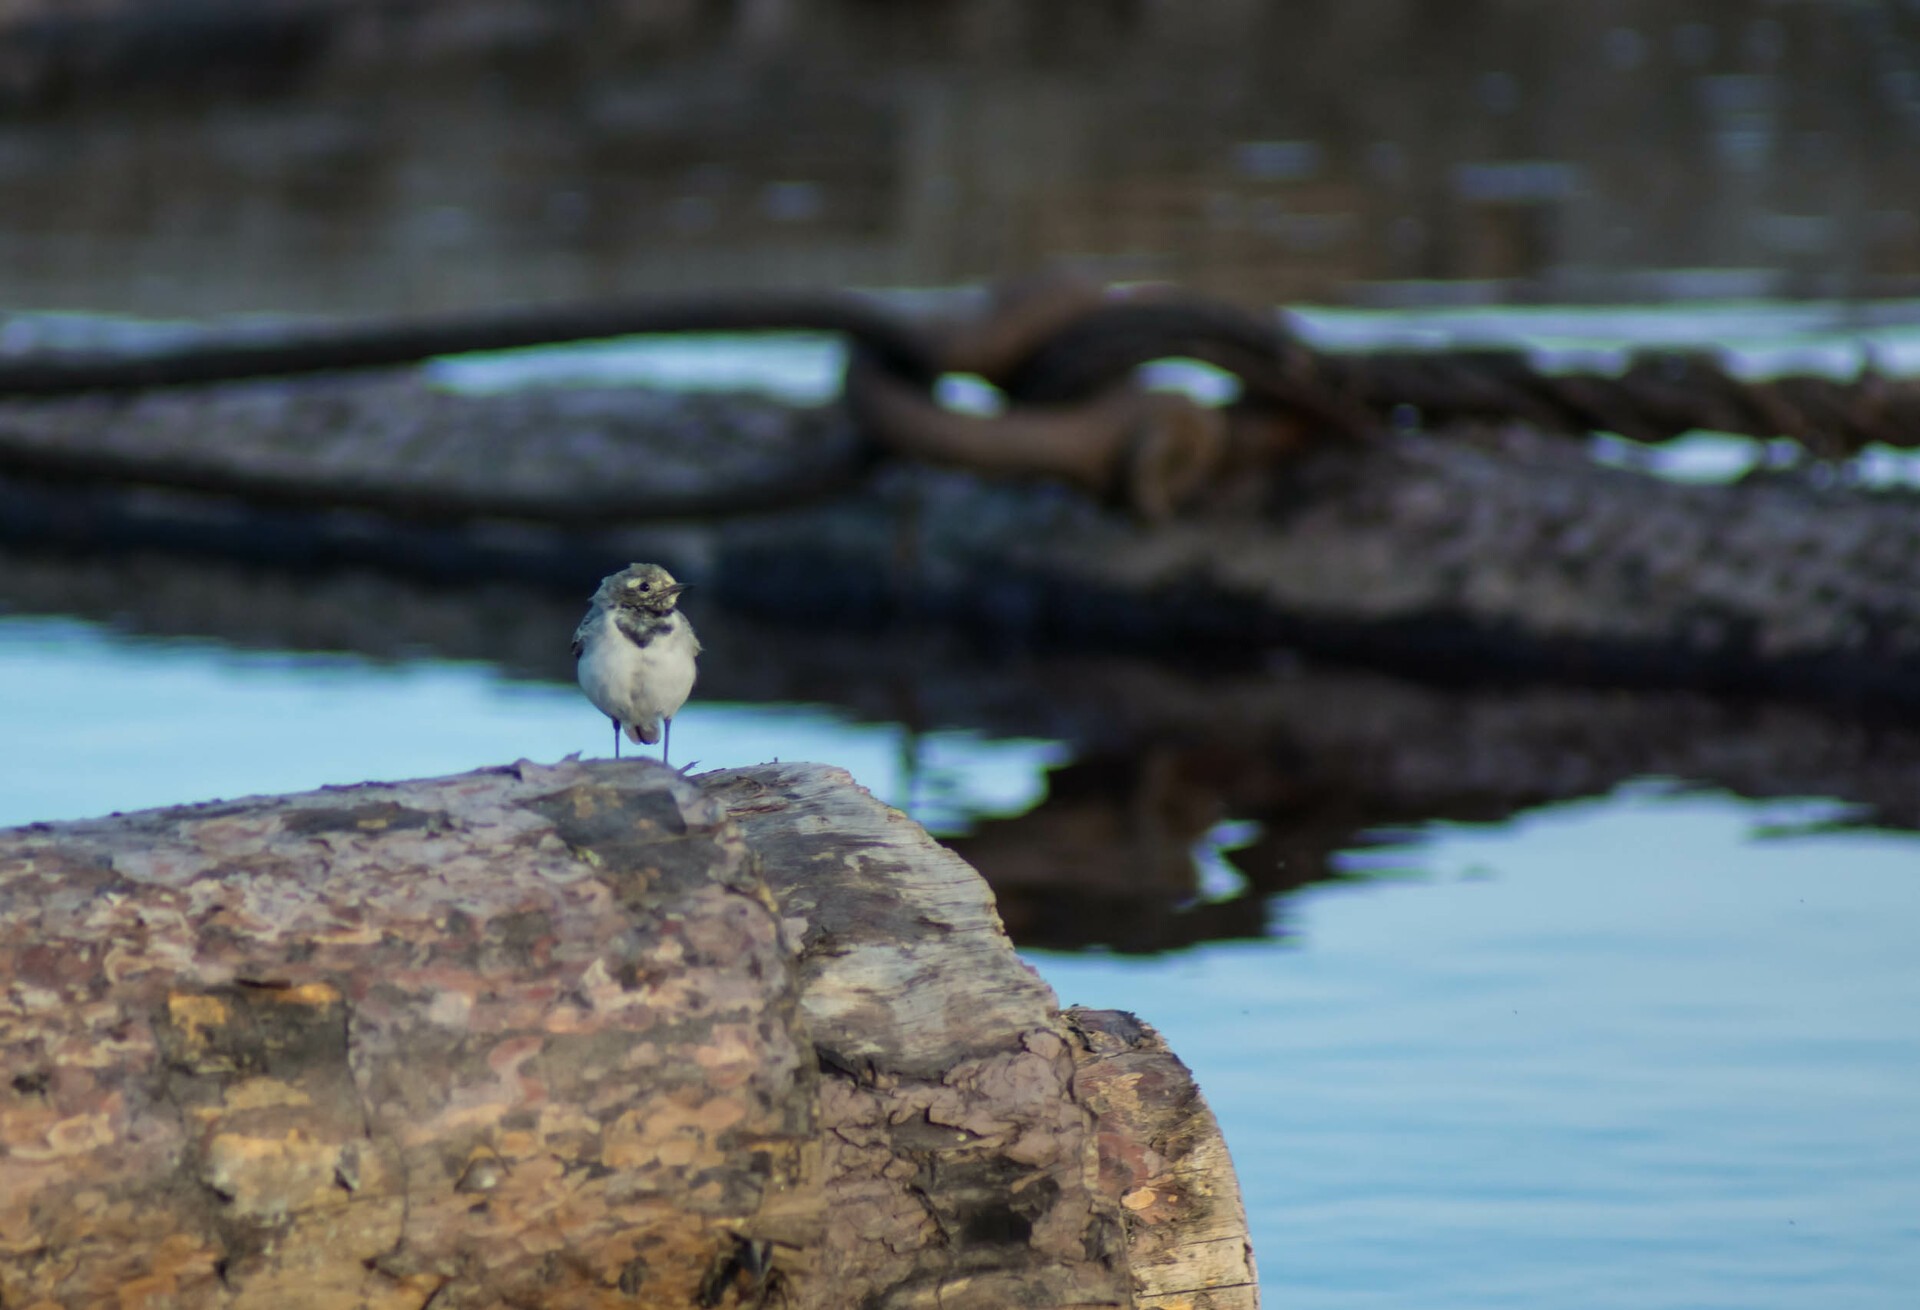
616 737
666 737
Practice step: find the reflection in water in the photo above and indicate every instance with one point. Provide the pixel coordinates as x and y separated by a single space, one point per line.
1325 150
1119 851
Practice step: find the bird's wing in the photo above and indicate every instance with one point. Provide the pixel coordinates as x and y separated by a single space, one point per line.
580 635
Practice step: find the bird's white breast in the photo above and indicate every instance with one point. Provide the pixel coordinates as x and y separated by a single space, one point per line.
637 685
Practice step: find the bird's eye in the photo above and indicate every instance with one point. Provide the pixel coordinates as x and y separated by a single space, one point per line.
646 586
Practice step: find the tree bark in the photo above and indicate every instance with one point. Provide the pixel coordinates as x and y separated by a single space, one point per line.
582 1035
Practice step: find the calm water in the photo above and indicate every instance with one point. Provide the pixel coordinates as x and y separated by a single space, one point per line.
1381 151
1627 1052
95 723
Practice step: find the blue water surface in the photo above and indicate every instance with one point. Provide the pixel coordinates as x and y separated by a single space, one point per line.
1616 1054
96 722
1620 1053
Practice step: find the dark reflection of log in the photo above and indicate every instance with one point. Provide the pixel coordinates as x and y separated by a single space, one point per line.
1318 757
1108 857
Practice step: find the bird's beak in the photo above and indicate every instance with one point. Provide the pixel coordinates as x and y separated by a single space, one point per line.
673 590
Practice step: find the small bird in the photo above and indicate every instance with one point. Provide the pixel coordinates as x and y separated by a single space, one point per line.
634 653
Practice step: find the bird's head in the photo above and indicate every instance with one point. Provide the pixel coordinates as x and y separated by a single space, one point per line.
642 587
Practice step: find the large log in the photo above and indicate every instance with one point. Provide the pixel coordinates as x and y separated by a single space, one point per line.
582 1035
1511 553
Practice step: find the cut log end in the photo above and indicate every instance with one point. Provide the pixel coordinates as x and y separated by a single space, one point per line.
1164 1160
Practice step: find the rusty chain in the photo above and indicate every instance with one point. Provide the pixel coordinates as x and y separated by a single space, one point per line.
1065 352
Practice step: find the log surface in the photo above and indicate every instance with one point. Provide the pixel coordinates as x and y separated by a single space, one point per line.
939 1050
580 1035
479 1040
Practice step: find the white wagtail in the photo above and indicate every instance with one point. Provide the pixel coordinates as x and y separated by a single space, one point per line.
634 653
